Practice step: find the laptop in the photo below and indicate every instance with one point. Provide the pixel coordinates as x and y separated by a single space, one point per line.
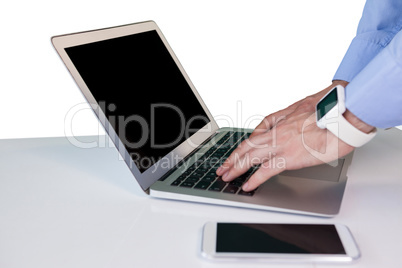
164 132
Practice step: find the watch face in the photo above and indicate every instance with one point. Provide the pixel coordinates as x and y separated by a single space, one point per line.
327 103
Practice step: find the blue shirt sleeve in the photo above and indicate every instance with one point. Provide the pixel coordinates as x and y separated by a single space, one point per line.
375 94
373 65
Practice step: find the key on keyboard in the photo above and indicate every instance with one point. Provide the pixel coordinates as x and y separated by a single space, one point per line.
202 174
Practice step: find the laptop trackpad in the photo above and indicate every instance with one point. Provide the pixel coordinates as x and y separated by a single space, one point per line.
323 172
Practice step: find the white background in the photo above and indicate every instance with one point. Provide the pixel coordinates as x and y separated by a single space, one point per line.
260 55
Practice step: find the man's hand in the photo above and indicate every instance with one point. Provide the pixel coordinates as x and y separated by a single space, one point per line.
288 139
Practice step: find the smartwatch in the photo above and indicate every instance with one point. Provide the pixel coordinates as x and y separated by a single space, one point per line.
329 112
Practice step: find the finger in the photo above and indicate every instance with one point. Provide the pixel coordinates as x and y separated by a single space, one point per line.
252 158
241 150
266 171
231 160
240 167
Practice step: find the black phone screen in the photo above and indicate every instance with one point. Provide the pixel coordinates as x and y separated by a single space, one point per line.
278 238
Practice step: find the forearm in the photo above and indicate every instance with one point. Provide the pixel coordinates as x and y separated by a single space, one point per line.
375 94
357 123
372 65
349 116
380 22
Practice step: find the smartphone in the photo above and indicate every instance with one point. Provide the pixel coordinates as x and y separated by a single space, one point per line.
279 242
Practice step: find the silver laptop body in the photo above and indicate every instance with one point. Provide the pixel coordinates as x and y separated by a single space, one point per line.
157 120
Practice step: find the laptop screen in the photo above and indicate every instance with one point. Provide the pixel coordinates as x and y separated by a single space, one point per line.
142 92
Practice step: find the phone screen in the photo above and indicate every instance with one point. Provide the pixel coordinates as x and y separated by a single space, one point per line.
278 238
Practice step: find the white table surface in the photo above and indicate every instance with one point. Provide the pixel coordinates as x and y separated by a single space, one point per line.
63 206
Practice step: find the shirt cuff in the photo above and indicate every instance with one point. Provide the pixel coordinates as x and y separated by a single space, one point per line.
375 94
359 54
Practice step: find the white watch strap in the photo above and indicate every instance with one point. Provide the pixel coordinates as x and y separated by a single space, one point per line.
349 133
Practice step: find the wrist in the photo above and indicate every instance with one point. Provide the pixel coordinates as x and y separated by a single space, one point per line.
323 92
357 123
332 114
339 82
349 116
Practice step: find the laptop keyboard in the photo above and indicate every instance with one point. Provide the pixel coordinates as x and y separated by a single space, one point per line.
202 174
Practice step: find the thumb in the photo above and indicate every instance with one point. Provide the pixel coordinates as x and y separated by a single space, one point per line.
264 173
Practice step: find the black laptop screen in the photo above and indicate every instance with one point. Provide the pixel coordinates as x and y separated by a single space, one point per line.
142 92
